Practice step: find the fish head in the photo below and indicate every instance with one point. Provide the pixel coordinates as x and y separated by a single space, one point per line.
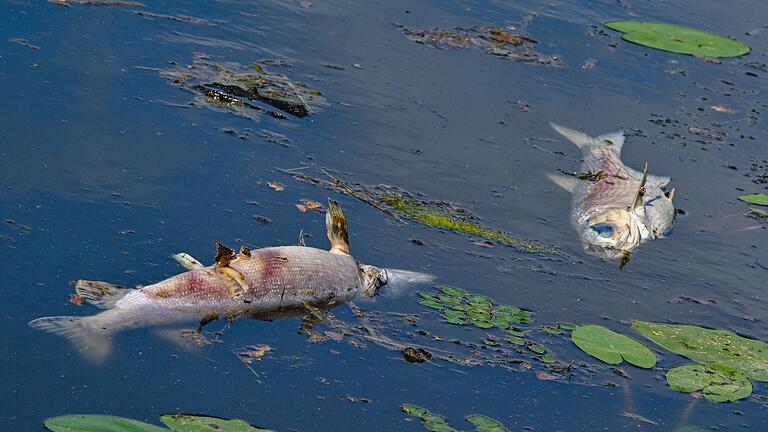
373 279
660 213
612 233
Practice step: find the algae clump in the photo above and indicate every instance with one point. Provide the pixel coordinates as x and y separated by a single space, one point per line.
437 218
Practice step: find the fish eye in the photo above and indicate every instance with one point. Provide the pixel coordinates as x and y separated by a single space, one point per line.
603 229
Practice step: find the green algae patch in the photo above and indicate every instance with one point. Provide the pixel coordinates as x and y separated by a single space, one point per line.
439 218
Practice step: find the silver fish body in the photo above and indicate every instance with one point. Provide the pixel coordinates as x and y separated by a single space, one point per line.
615 207
261 284
266 283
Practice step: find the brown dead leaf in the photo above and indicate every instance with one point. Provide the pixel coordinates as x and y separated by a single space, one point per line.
253 352
301 208
276 186
719 108
544 376
312 205
76 299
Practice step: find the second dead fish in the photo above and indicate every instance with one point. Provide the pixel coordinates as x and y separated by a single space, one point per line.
615 208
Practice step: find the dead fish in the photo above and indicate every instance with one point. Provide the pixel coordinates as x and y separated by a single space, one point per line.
259 283
615 208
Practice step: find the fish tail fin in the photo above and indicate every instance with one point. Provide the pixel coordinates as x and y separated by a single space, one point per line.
568 183
584 141
336 227
100 294
92 343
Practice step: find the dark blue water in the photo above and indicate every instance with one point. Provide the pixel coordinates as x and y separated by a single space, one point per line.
104 177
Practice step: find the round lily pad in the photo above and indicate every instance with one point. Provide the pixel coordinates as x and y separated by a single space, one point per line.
678 39
611 347
757 199
720 383
710 346
485 424
98 423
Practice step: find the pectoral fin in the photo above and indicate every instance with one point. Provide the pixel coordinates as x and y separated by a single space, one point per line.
566 182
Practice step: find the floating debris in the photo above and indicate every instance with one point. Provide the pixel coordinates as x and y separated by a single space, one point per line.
493 40
24 43
438 214
242 90
179 18
126 3
437 423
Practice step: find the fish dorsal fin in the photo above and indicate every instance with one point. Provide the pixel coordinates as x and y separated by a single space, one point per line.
100 294
566 182
624 259
223 255
638 202
582 140
336 227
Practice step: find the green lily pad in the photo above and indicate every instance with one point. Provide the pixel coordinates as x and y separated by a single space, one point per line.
567 326
548 358
551 330
720 383
483 324
194 423
509 309
455 317
453 291
517 340
485 424
434 304
430 421
707 346
611 347
678 39
98 423
535 347
515 332
490 342
757 199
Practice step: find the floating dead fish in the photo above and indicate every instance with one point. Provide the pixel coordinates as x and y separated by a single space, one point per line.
260 284
615 208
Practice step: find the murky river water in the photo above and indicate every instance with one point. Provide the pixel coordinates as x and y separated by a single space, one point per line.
106 169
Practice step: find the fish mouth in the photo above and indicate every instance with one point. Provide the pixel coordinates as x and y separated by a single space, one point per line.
612 233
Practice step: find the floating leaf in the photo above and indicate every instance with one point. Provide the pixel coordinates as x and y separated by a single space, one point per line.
485 424
720 383
490 342
509 309
432 304
453 291
610 347
517 340
194 423
455 317
757 199
550 330
707 346
430 421
483 324
548 358
567 326
98 423
537 348
678 39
